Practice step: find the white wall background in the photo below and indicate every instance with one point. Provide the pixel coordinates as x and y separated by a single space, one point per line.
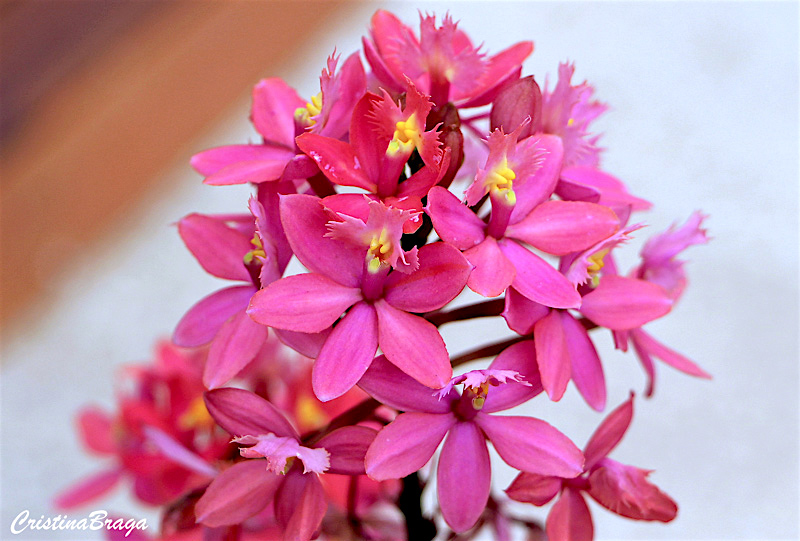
704 115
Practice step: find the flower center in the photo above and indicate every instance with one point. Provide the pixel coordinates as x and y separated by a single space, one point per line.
379 251
407 136
596 263
314 107
258 251
195 416
501 182
478 393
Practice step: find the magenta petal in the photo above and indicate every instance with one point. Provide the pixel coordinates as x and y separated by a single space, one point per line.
218 248
348 447
96 431
305 224
347 353
521 313
562 227
308 344
537 280
453 221
203 320
493 272
552 355
626 491
520 357
590 184
645 342
237 494
570 519
382 380
89 489
244 413
463 478
609 433
406 444
274 104
233 348
441 276
534 488
621 303
539 188
337 160
303 302
214 160
587 370
532 445
413 345
300 505
177 452
254 172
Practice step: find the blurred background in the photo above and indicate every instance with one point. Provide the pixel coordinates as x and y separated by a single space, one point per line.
103 103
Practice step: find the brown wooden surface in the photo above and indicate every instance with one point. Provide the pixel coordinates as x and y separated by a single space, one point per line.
117 89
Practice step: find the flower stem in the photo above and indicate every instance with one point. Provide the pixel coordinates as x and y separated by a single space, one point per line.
417 526
492 307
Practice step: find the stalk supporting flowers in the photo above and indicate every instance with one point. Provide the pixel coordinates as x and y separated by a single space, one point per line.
322 404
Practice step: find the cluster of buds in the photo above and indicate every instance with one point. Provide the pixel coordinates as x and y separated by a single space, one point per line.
306 405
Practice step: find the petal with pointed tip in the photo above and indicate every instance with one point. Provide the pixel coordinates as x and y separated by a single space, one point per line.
569 519
540 187
532 445
237 494
493 272
609 433
534 488
453 221
645 342
203 320
300 505
274 104
521 313
243 413
308 344
520 357
89 489
383 380
552 355
537 280
95 427
337 160
406 444
587 370
347 353
348 447
218 248
463 478
255 171
214 160
234 347
626 491
621 303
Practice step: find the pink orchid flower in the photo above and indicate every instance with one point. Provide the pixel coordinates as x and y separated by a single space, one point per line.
521 212
621 489
380 305
290 474
442 62
464 472
279 115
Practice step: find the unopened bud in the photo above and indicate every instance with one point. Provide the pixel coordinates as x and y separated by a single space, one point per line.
516 102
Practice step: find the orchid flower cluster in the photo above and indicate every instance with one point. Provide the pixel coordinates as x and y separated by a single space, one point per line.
293 406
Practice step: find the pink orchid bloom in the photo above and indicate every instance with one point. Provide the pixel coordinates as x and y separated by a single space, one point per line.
660 266
220 318
279 115
521 212
161 437
380 306
621 489
382 138
245 488
442 62
464 472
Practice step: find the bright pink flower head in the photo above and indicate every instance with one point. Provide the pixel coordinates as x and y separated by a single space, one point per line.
442 62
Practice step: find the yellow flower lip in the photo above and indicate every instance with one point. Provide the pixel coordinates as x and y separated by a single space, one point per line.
303 115
407 136
500 180
379 251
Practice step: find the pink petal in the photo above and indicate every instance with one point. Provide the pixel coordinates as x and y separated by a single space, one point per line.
337 160
348 447
609 433
237 494
561 227
621 303
218 248
413 345
569 519
300 506
176 452
463 478
532 445
587 370
89 489
303 302
214 160
203 320
493 272
347 353
383 379
95 427
521 313
537 280
237 342
406 444
369 145
501 67
521 358
243 413
305 224
441 276
645 342
274 104
534 488
453 221
307 344
626 491
256 171
581 182
538 189
552 354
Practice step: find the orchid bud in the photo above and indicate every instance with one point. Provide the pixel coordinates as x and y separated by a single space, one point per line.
516 102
